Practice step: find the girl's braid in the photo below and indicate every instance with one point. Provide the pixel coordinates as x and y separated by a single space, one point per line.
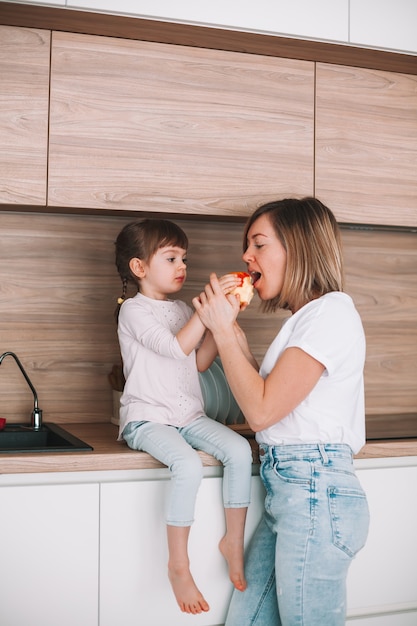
122 298
124 291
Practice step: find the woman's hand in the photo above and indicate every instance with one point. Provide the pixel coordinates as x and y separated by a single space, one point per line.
228 282
217 311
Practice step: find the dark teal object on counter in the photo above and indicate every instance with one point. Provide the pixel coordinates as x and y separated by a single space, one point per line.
49 438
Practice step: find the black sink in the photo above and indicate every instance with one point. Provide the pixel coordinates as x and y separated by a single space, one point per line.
50 438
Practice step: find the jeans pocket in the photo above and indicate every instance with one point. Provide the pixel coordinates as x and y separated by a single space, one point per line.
293 471
349 516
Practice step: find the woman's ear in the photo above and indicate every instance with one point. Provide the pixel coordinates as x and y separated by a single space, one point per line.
137 268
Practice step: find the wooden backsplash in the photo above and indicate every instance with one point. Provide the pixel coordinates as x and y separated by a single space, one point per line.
58 290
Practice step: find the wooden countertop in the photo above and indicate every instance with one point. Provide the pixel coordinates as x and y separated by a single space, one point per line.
110 454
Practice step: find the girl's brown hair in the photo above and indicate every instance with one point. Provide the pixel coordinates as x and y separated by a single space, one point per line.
141 239
310 235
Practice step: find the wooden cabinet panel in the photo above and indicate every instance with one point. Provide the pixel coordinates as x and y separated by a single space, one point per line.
58 292
381 276
24 78
366 144
59 288
145 126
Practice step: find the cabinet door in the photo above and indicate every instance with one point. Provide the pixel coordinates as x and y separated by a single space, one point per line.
133 554
366 144
382 578
390 619
144 126
49 555
24 72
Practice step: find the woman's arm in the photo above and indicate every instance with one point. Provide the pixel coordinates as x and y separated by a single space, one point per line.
243 342
263 402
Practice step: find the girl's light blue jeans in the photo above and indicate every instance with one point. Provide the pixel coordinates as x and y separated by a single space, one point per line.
176 448
316 519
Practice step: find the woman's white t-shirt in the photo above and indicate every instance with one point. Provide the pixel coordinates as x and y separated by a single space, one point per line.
330 330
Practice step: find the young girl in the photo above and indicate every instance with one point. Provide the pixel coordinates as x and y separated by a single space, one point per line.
163 346
306 405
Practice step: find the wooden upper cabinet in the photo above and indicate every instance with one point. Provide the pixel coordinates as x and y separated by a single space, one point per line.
24 92
156 127
366 144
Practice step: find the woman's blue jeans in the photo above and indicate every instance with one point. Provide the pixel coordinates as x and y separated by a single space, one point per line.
176 448
316 519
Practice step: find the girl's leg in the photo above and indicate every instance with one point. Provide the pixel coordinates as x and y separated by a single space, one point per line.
234 452
232 545
189 598
167 445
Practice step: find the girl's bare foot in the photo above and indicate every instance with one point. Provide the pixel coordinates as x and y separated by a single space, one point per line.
233 553
189 598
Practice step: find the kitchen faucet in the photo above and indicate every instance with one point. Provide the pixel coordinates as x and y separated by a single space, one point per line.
36 416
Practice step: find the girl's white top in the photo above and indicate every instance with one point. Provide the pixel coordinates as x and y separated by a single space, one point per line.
330 330
162 382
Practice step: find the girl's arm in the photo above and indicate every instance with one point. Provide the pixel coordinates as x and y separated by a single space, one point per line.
207 352
263 402
191 334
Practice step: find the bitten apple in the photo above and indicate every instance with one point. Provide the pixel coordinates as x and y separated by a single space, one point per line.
244 290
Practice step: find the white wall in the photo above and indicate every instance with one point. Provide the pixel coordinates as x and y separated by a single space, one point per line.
382 24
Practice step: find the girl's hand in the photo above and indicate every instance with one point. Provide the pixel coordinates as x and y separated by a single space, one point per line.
217 311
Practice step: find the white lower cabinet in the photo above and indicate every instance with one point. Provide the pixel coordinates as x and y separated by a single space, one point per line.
49 540
134 587
382 580
408 618
89 549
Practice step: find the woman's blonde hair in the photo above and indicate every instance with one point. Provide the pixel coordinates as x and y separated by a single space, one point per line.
310 235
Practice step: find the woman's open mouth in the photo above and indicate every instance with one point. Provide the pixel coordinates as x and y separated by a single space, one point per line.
254 276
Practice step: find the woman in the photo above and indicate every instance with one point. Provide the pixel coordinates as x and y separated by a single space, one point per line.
306 406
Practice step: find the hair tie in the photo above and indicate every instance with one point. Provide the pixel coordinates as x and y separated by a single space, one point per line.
120 300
